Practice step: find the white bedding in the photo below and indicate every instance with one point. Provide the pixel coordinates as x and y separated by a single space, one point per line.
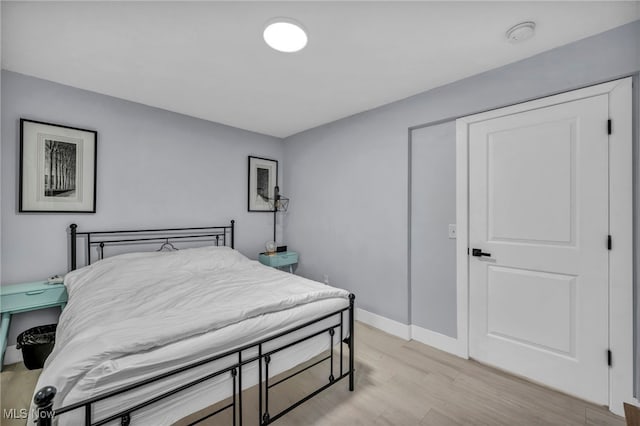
132 316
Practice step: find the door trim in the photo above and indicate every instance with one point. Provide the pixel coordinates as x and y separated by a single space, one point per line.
620 226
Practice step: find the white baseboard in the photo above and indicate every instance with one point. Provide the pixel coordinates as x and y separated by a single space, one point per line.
12 355
409 332
437 340
387 325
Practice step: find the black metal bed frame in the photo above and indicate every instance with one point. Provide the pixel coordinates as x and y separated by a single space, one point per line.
255 352
106 238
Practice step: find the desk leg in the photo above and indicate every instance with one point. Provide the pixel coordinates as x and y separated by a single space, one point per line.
291 269
4 336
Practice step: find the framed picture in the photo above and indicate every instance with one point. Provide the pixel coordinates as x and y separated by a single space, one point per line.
263 177
57 168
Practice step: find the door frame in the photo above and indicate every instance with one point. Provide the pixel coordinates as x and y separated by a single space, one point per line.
620 226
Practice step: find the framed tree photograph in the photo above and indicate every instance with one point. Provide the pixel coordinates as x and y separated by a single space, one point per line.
263 177
57 168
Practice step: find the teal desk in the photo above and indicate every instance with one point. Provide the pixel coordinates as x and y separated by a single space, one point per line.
24 298
279 260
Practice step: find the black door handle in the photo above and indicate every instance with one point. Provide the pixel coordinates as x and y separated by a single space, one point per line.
479 253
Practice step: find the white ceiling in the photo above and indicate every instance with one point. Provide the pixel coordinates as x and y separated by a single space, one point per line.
208 59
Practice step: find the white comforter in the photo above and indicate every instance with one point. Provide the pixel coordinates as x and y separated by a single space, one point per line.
137 302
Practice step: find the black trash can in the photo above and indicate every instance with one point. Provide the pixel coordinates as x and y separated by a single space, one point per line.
36 344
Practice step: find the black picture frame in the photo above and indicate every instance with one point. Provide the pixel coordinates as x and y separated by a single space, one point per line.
262 178
58 168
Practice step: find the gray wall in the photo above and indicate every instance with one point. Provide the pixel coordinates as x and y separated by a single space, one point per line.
433 207
348 179
155 168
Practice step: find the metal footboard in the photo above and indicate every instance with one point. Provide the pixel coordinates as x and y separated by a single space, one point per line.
261 353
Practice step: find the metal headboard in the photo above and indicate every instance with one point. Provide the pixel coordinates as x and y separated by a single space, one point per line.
222 235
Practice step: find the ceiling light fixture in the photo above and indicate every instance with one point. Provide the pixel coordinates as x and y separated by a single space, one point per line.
521 32
285 35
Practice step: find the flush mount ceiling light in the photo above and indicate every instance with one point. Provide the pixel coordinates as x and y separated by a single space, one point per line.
285 35
521 32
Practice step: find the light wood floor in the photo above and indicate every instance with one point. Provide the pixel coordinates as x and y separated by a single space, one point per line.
408 383
16 388
398 383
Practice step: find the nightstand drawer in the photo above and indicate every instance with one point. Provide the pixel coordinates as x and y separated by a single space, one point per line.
27 297
34 299
279 259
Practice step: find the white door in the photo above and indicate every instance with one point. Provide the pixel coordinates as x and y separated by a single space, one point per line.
538 212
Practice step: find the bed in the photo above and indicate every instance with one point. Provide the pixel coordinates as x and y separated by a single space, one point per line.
150 337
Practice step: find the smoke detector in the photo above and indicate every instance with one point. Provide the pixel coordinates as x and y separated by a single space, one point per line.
521 32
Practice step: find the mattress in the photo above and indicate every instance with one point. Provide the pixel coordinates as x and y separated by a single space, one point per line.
184 308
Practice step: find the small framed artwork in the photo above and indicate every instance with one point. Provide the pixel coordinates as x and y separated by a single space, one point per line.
57 168
263 177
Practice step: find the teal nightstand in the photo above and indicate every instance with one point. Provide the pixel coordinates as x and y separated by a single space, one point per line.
279 260
27 297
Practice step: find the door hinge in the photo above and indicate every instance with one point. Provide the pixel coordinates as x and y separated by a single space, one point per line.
609 127
609 242
609 357
467 251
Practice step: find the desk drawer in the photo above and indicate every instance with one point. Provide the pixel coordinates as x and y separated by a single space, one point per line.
34 299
